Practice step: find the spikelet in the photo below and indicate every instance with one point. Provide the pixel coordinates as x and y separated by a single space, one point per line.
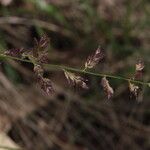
134 89
38 70
40 46
42 43
107 88
75 80
45 84
94 59
14 52
43 58
139 67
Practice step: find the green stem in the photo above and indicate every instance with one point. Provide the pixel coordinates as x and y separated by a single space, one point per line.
62 67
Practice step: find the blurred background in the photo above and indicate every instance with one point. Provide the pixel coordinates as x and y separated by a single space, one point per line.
73 119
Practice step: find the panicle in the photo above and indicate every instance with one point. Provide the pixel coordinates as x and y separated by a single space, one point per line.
107 88
75 80
94 59
39 56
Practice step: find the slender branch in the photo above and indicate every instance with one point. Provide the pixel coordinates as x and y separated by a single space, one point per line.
62 67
